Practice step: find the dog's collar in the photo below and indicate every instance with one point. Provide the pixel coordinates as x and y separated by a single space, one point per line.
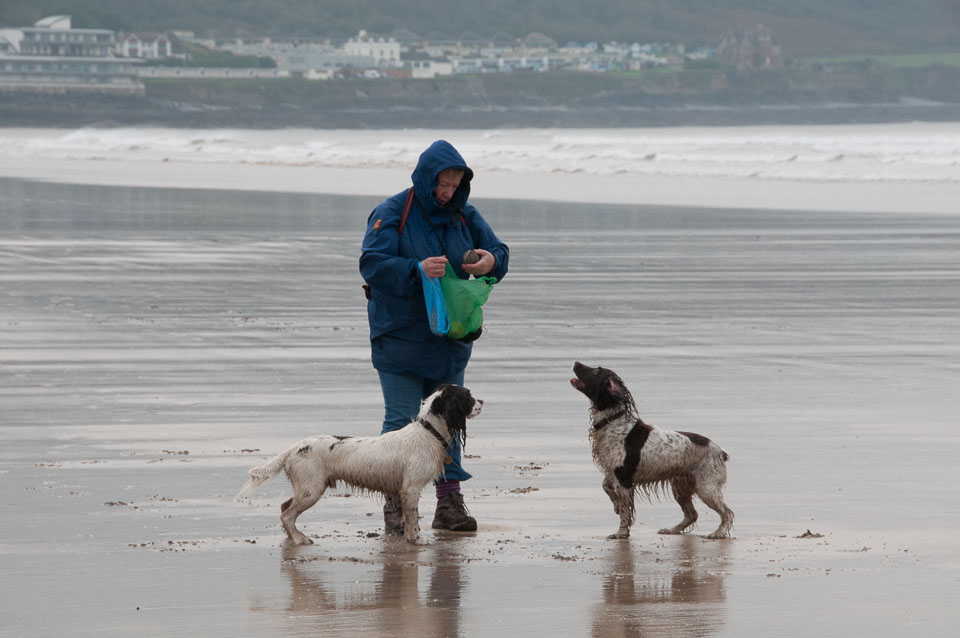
608 420
432 430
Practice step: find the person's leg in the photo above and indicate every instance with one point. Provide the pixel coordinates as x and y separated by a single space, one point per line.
401 399
451 512
401 402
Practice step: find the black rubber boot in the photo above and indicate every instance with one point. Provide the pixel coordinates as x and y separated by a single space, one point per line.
392 516
452 514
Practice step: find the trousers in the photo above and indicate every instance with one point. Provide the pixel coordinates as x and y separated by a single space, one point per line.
402 396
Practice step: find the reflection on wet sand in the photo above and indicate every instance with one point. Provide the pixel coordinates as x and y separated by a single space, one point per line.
391 605
682 595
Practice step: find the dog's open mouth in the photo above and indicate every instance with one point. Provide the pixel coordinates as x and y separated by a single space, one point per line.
581 371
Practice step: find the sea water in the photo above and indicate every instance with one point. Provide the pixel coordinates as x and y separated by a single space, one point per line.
911 152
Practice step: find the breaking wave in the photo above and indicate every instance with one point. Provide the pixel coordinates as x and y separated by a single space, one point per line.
883 152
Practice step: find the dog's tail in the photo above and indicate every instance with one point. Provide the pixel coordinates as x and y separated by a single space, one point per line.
260 474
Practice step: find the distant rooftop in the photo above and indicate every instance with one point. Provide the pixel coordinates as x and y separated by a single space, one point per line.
54 22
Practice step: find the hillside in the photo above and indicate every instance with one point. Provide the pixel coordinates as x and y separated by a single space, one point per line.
807 28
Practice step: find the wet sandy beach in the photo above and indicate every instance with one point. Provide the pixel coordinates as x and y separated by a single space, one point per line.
872 196
157 343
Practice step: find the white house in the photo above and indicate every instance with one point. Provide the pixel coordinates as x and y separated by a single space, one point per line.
143 45
385 52
423 66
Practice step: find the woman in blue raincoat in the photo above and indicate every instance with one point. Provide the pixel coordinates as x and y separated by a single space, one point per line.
410 360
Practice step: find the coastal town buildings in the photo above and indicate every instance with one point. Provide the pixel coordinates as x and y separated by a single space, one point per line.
53 56
406 54
750 48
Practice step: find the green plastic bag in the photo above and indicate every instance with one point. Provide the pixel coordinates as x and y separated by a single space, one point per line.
464 299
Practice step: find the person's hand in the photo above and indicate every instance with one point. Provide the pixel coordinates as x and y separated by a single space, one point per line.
434 267
482 267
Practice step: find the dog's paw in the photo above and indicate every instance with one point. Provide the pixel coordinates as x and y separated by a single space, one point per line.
419 540
719 535
619 534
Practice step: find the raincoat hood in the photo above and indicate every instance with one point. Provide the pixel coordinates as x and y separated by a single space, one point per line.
437 158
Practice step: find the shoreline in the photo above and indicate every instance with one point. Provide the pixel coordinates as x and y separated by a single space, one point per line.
719 193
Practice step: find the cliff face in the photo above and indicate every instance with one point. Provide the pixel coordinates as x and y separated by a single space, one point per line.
867 92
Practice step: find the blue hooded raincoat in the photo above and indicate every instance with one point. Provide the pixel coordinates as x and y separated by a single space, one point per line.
400 335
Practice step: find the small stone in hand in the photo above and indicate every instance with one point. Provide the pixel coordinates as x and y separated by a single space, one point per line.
471 257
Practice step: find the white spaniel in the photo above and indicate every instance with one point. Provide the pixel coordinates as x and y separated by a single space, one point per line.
398 463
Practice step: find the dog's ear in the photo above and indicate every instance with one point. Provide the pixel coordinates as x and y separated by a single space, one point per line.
457 405
609 391
455 418
466 400
615 387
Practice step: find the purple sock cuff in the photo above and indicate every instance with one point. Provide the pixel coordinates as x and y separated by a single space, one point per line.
447 487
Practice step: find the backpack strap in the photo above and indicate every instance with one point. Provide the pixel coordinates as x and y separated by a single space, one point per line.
406 210
403 222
